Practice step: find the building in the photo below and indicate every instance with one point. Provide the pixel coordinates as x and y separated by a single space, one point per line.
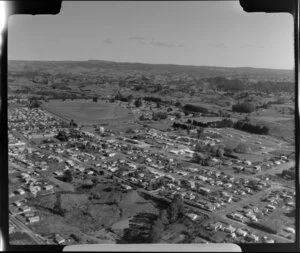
20 191
33 219
229 229
59 239
252 237
25 209
48 187
192 216
216 226
289 229
241 232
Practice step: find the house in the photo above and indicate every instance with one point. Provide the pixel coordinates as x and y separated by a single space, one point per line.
237 216
48 187
252 237
59 239
192 216
25 209
58 173
33 219
20 191
17 203
29 214
229 229
228 185
204 190
257 168
241 232
271 207
289 230
216 226
247 162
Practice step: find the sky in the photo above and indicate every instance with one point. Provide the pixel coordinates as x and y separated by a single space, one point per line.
205 33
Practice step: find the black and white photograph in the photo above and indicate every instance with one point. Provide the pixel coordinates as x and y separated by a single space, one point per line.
151 122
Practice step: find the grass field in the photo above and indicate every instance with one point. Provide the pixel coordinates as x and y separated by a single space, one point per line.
88 112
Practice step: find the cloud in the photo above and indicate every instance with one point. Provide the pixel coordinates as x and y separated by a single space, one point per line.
137 38
247 45
155 43
165 44
220 45
107 41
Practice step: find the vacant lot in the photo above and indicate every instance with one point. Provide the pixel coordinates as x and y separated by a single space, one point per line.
90 211
87 112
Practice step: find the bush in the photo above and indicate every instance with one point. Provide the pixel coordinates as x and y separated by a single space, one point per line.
68 176
160 115
195 108
34 102
242 148
246 107
251 128
177 115
266 228
138 102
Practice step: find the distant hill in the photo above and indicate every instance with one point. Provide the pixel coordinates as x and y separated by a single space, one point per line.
94 66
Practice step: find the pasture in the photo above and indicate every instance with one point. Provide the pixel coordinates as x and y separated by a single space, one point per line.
88 112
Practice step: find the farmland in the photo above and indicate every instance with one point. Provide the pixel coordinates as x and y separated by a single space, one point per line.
87 112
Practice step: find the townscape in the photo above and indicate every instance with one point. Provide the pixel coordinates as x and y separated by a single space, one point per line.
200 161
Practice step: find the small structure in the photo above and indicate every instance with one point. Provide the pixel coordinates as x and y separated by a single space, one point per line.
59 239
33 219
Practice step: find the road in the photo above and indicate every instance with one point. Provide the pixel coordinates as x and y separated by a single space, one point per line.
277 169
23 228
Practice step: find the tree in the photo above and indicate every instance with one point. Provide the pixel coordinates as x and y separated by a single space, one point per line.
198 158
228 151
163 216
177 115
34 102
200 131
95 99
159 115
246 107
220 152
242 148
68 176
176 208
138 102
199 147
72 123
129 98
178 104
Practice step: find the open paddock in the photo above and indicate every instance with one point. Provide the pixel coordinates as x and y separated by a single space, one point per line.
88 112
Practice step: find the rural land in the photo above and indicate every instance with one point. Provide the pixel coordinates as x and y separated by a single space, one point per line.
107 152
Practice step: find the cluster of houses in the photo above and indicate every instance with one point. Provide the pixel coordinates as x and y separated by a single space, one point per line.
24 212
32 123
238 234
86 154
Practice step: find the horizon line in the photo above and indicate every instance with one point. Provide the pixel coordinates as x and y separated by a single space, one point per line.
176 64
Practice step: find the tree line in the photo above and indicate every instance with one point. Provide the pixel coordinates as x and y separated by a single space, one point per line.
243 125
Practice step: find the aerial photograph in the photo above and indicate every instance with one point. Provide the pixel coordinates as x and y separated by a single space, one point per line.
151 122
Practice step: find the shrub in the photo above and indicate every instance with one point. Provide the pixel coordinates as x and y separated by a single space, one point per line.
242 148
177 115
160 115
264 227
195 108
246 107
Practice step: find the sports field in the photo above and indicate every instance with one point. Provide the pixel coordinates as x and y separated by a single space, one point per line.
88 112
